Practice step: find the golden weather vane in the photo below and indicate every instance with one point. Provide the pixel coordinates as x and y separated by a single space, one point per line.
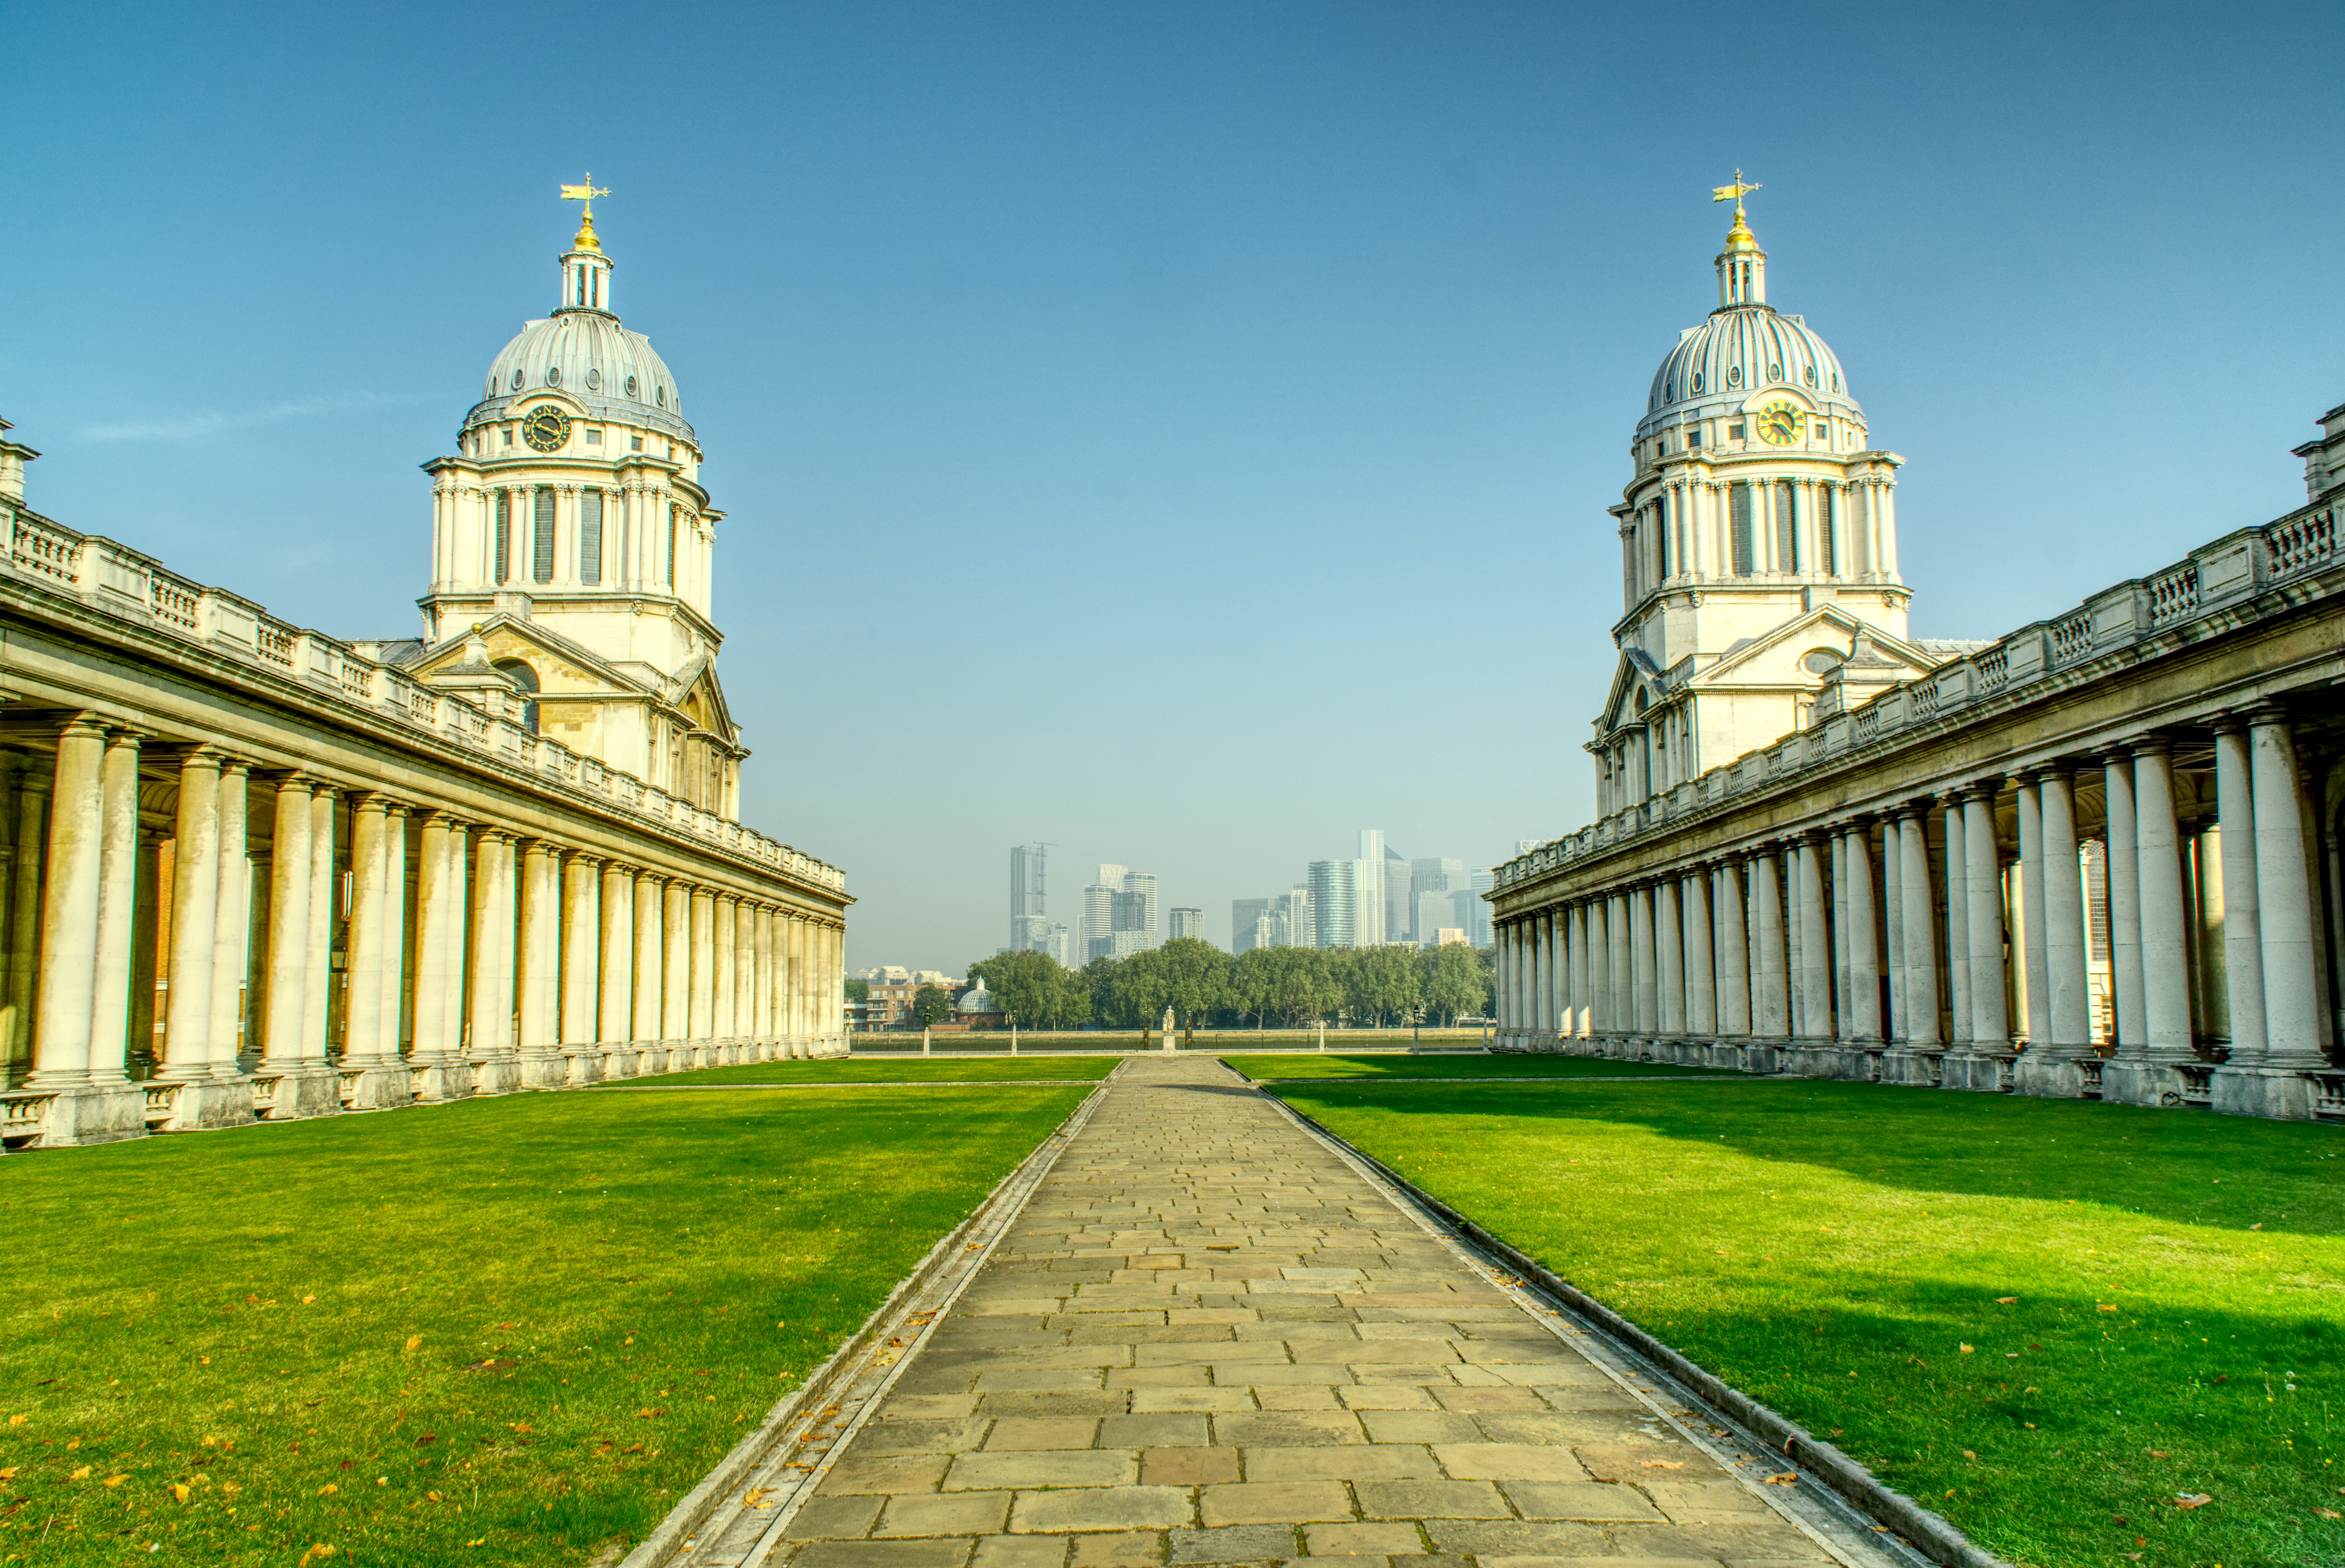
1734 193
587 193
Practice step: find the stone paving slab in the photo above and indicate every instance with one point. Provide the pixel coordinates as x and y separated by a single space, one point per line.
1207 1341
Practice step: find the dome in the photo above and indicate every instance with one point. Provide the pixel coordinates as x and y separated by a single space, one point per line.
1739 351
589 358
978 1003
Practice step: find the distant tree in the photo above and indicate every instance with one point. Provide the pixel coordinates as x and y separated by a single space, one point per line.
1032 990
1449 980
1098 980
1488 958
1141 988
1302 985
1252 989
1380 986
932 1004
1196 976
858 991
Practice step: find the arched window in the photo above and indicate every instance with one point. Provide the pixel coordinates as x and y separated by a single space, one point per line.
523 676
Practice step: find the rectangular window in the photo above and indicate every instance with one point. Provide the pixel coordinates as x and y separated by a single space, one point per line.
508 435
590 536
501 567
671 549
1693 436
1661 527
1739 526
634 444
594 438
1734 432
1831 521
542 542
1787 528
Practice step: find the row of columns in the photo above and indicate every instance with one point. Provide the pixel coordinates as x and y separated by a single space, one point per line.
1853 935
518 963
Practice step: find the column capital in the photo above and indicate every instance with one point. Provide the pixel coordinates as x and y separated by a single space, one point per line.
2153 743
1986 790
2267 710
587 858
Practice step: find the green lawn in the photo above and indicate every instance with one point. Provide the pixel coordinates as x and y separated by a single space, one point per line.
510 1331
883 1070
1314 1066
1840 1251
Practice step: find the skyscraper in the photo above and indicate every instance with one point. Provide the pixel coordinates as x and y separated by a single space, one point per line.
1243 913
1099 909
1441 879
1335 903
1119 913
1188 922
1368 885
1027 895
1291 921
1481 882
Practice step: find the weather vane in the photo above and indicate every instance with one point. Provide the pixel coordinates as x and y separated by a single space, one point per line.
1734 193
587 193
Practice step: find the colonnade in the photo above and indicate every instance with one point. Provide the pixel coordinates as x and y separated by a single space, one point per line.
1916 942
328 973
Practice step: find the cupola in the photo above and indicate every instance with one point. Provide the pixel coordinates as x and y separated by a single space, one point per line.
586 271
1741 266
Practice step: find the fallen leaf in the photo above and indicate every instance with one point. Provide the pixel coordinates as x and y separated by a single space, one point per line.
755 1498
2326 1512
1970 1453
179 1490
2108 1307
1663 1464
115 1479
2258 1226
1966 1350
1789 1477
306 1299
414 1342
316 1553
2157 1454
2190 1500
520 1426
328 1489
9 1473
81 1474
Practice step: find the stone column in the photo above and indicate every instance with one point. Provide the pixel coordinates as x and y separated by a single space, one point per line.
317 973
1921 948
2037 969
195 907
494 1072
25 916
760 970
1669 957
540 932
1597 964
1509 964
1893 1028
2127 983
231 953
1982 863
1574 958
370 1043
1732 953
617 940
2164 942
2284 900
704 976
1842 1024
1542 1013
121 1110
650 952
1620 946
433 1050
722 927
2243 957
745 980
1644 1000
304 1087
581 933
1774 998
1701 981
1816 942
69 920
2063 916
460 925
394 934
1958 924
795 986
1862 936
675 970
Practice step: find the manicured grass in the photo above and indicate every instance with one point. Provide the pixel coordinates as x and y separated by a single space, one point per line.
510 1331
1839 1251
884 1070
1314 1066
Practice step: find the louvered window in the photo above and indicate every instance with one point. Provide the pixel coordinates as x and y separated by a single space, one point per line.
501 568
541 543
590 536
1738 527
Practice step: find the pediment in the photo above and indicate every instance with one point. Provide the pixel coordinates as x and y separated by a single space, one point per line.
1777 659
1636 676
698 694
561 667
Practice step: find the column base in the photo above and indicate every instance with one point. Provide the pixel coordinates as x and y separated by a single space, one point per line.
433 1082
582 1064
1913 1068
2278 1093
376 1086
2048 1074
293 1092
201 1103
543 1069
91 1113
1978 1071
496 1075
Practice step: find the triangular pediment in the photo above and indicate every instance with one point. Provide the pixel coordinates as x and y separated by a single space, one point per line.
1787 656
561 668
698 694
1634 679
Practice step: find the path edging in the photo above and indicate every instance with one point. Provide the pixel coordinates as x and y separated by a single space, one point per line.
686 1518
1852 1481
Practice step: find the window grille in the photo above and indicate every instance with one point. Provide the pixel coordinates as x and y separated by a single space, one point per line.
590 536
502 567
542 544
1739 507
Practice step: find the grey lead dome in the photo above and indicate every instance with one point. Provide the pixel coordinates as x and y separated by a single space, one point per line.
587 357
1738 351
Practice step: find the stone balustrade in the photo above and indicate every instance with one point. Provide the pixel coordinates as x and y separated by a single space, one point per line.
2094 858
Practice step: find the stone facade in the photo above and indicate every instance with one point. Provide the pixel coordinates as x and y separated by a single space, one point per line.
1893 891
249 872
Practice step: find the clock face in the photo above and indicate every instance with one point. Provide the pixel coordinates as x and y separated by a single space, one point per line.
547 428
1779 424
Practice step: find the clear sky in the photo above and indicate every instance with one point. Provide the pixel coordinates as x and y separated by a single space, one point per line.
1179 433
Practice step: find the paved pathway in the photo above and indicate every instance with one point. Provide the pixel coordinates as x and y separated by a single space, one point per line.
1207 1341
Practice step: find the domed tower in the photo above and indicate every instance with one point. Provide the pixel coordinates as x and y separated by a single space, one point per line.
1758 544
571 534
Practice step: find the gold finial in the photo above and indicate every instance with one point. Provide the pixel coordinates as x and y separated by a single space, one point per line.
587 193
1740 233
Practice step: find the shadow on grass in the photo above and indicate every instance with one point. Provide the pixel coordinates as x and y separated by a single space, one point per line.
1338 1065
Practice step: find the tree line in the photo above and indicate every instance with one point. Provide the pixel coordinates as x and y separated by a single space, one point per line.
1291 987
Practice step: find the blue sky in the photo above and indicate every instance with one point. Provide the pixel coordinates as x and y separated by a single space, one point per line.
1181 433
